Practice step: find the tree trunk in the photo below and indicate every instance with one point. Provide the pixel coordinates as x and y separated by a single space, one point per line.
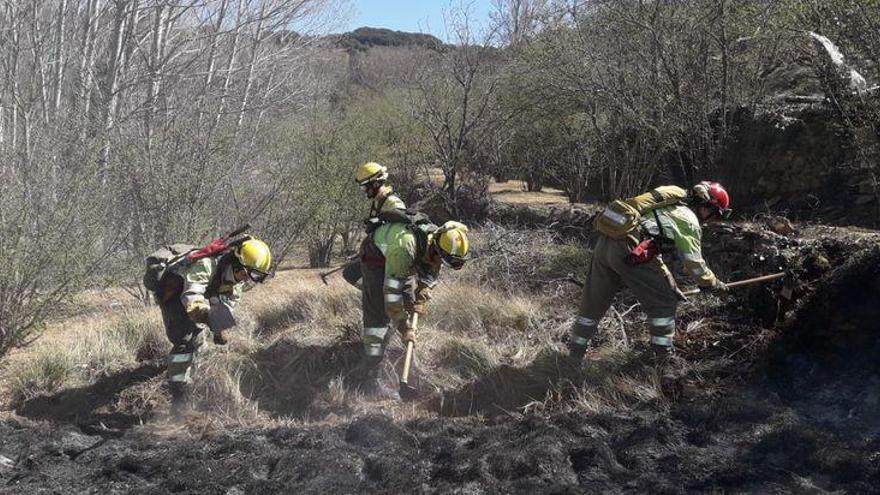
60 52
230 64
211 63
111 89
252 65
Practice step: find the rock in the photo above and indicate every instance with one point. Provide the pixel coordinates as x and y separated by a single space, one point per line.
864 199
6 463
780 225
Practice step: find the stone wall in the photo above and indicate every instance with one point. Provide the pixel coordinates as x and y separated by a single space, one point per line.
795 161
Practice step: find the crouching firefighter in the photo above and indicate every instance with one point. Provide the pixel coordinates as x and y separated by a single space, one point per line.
634 234
403 266
197 289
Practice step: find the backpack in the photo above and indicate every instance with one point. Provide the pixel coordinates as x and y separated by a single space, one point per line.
160 260
621 217
174 255
418 223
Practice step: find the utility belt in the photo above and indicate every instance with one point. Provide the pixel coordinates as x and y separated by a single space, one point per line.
647 247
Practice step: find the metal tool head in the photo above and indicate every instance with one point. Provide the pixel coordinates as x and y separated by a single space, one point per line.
408 392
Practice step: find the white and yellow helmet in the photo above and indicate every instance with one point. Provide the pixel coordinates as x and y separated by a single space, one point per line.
452 244
254 256
370 172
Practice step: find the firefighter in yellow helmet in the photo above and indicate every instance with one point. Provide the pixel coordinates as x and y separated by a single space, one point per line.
413 254
373 179
385 207
202 294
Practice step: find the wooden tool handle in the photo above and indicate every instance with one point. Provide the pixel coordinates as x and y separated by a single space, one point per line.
407 362
407 359
749 281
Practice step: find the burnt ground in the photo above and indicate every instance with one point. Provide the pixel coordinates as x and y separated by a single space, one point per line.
771 397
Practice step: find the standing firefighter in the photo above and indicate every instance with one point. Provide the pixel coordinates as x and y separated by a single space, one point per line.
198 290
385 206
634 234
373 178
412 255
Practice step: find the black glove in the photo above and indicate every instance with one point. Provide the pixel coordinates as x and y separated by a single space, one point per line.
718 286
221 337
372 224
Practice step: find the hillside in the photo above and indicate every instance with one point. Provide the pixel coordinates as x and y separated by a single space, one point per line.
364 38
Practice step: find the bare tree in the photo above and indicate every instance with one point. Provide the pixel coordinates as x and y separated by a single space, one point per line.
455 98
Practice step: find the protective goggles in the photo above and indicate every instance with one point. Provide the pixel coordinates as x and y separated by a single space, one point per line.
256 275
723 213
252 273
451 261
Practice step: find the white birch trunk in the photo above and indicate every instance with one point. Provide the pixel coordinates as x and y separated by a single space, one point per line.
112 83
230 65
59 59
212 57
252 65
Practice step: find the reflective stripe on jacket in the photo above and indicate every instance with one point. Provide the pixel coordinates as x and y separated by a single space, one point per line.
680 226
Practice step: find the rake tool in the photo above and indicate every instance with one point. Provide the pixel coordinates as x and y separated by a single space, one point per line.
407 391
341 267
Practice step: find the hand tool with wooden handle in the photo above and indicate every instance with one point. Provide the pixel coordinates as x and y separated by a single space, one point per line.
739 283
406 390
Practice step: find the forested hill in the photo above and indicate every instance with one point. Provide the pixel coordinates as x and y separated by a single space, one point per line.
364 38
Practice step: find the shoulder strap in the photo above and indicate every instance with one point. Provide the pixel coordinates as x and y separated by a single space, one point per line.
376 207
659 223
217 279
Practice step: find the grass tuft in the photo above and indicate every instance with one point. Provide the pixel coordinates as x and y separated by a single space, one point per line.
44 373
468 359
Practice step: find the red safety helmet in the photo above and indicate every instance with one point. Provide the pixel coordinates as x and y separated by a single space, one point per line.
713 194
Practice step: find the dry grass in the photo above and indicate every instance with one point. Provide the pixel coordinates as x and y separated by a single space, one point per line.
464 309
82 351
514 192
295 354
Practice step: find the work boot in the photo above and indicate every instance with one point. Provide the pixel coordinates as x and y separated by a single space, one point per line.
576 353
179 399
657 355
374 382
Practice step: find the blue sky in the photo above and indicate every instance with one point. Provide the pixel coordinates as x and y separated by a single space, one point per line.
413 15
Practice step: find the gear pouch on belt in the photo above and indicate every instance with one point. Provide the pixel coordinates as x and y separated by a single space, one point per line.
643 252
617 220
220 316
371 255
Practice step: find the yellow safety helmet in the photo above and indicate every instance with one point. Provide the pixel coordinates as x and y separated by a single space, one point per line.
370 172
452 244
255 257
